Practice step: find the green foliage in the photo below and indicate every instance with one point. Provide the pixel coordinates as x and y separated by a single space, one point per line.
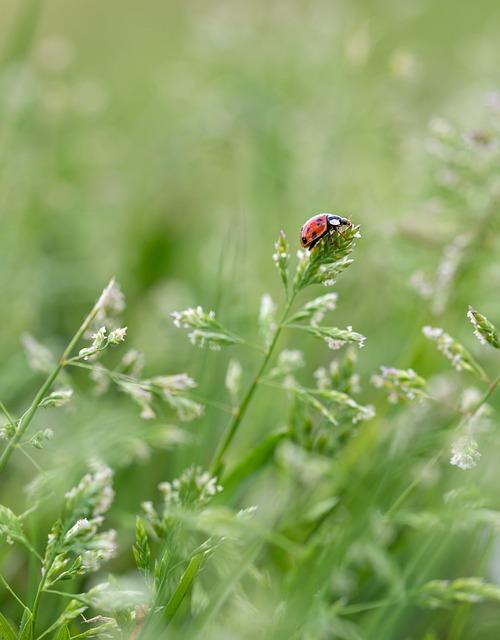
8 631
295 501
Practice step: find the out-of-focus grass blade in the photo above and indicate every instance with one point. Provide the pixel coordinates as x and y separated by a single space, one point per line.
6 629
223 592
304 528
254 461
183 587
26 628
63 634
23 31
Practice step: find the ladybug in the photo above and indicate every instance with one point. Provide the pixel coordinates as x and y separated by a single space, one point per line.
319 226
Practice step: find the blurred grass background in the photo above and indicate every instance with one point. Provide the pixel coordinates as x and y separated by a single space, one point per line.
167 143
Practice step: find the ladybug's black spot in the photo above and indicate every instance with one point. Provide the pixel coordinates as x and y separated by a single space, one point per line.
314 234
319 223
304 239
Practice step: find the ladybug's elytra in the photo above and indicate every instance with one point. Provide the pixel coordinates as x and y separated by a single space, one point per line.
319 226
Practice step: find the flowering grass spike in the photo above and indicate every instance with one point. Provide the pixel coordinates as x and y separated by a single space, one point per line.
484 330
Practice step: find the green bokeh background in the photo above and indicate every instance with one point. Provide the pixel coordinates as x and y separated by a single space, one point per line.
167 143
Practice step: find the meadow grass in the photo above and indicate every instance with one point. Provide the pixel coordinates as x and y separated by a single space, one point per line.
243 439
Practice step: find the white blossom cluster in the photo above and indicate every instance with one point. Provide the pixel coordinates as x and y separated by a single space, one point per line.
206 331
401 384
76 545
111 302
169 389
101 340
58 398
281 257
93 494
450 348
193 487
288 361
340 376
39 357
267 319
484 330
316 309
233 378
453 255
336 338
465 453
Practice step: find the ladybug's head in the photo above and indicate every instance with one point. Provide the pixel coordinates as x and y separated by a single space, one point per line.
338 221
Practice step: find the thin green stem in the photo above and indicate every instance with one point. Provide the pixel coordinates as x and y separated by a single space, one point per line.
6 413
30 458
41 587
28 416
352 609
38 595
12 592
232 428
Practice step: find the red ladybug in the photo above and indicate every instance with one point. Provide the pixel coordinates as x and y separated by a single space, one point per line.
319 226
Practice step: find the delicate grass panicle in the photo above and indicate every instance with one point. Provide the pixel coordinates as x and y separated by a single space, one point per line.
400 384
484 330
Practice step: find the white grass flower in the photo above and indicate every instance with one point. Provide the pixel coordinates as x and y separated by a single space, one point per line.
267 319
141 396
93 495
175 383
133 362
233 378
39 357
289 360
82 525
117 336
421 284
192 318
7 431
337 338
185 408
147 412
103 548
248 513
170 388
193 487
100 340
453 255
112 300
58 398
459 357
465 453
206 330
401 384
484 330
281 257
100 376
316 310
41 438
323 380
471 397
